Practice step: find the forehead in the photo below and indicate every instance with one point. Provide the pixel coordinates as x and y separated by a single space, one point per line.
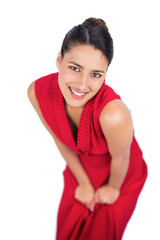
86 55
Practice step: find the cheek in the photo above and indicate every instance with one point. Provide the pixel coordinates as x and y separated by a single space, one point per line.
65 76
96 85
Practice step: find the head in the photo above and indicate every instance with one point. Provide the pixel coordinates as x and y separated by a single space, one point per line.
85 55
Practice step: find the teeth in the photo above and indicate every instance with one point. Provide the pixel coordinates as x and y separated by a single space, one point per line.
76 93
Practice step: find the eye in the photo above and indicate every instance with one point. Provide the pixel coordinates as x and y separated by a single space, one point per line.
96 75
74 68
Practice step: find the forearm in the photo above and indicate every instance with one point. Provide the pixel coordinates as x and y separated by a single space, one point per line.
118 172
73 163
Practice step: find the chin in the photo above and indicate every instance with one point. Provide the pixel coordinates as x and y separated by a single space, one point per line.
76 105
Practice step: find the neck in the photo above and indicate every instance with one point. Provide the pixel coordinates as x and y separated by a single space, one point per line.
75 110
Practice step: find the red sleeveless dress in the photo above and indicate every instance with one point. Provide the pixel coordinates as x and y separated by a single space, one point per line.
75 221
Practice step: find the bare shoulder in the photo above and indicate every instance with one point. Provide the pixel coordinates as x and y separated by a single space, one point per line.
31 92
32 96
115 114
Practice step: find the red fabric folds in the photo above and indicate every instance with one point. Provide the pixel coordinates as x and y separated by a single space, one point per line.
75 221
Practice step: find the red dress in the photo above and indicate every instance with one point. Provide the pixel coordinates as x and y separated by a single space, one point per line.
75 221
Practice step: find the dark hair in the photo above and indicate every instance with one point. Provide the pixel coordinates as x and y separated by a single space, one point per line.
92 32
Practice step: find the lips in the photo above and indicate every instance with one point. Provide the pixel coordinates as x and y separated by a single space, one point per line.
77 94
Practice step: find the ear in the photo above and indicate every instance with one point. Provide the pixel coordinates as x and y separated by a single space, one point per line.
58 60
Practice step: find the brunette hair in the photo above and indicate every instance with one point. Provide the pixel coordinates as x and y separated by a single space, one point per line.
94 32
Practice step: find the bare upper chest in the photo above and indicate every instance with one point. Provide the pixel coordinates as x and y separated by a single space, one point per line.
73 116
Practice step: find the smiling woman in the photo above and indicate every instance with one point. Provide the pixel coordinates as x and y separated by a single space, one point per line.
78 79
93 130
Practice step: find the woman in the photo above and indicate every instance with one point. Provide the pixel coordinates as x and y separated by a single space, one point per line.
93 129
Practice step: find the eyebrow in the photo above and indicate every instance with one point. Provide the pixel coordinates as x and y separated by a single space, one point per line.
82 67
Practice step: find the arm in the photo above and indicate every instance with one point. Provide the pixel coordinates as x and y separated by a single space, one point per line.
84 191
117 126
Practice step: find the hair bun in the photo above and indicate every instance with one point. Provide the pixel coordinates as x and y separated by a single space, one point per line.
96 22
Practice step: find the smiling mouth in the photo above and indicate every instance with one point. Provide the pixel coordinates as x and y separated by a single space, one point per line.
80 94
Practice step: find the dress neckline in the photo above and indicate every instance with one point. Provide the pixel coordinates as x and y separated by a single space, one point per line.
83 132
82 145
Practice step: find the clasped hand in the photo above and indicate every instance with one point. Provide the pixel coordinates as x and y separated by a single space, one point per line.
87 195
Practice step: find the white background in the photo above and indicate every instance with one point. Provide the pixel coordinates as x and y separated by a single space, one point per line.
31 167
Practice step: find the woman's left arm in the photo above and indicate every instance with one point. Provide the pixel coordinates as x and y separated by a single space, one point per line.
117 126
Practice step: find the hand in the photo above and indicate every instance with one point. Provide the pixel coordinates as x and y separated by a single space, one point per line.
106 195
85 194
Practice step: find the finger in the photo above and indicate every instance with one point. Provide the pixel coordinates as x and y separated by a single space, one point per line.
99 199
92 206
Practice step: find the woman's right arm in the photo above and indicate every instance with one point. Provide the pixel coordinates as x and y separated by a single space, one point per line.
85 191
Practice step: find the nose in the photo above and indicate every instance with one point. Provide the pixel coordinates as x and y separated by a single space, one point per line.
83 82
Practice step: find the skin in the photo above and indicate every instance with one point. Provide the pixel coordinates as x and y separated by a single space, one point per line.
84 68
83 79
